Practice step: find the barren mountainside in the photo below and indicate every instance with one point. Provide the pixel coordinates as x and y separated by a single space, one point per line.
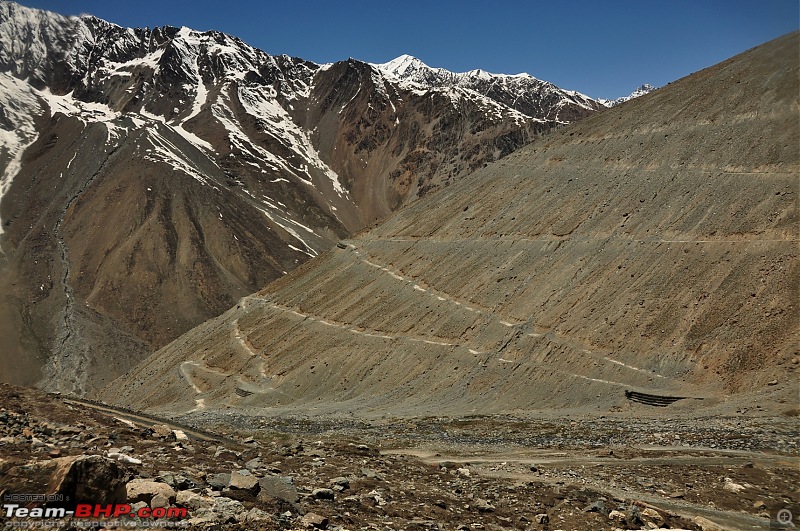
149 178
650 247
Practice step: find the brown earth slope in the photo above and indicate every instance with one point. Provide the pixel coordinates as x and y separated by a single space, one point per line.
151 178
650 247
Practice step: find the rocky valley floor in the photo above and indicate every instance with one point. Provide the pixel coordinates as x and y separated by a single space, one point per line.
642 468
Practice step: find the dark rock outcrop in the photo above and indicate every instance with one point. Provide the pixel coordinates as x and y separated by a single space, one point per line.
72 479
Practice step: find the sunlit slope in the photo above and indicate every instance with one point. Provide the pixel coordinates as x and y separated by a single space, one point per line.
650 247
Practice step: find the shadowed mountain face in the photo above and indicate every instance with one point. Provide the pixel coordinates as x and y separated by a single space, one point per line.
151 178
650 247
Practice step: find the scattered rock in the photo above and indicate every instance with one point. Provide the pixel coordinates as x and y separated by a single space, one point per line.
314 520
633 516
145 490
371 474
192 500
228 510
596 507
450 499
290 450
243 480
652 515
730 486
255 516
375 496
707 525
315 452
254 464
224 453
483 506
162 431
138 505
127 423
176 481
280 487
159 500
122 458
340 483
322 494
219 481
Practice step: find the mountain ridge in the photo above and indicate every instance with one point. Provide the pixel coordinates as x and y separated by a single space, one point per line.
227 166
650 247
641 90
522 92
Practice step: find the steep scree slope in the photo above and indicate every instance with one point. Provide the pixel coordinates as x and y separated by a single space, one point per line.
151 178
650 247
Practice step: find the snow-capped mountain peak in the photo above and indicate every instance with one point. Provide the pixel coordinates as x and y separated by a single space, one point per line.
402 66
642 90
234 165
522 92
409 68
646 88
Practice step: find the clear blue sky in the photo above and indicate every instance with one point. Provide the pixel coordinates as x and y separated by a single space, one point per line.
603 49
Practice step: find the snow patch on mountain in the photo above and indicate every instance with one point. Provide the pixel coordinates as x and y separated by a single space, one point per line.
281 218
522 92
170 154
240 141
87 112
181 80
18 106
260 103
640 91
125 69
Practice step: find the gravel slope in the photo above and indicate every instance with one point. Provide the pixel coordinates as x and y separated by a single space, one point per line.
652 247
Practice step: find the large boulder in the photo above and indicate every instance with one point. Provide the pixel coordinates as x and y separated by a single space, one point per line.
144 490
224 511
219 481
244 480
193 501
279 487
79 478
